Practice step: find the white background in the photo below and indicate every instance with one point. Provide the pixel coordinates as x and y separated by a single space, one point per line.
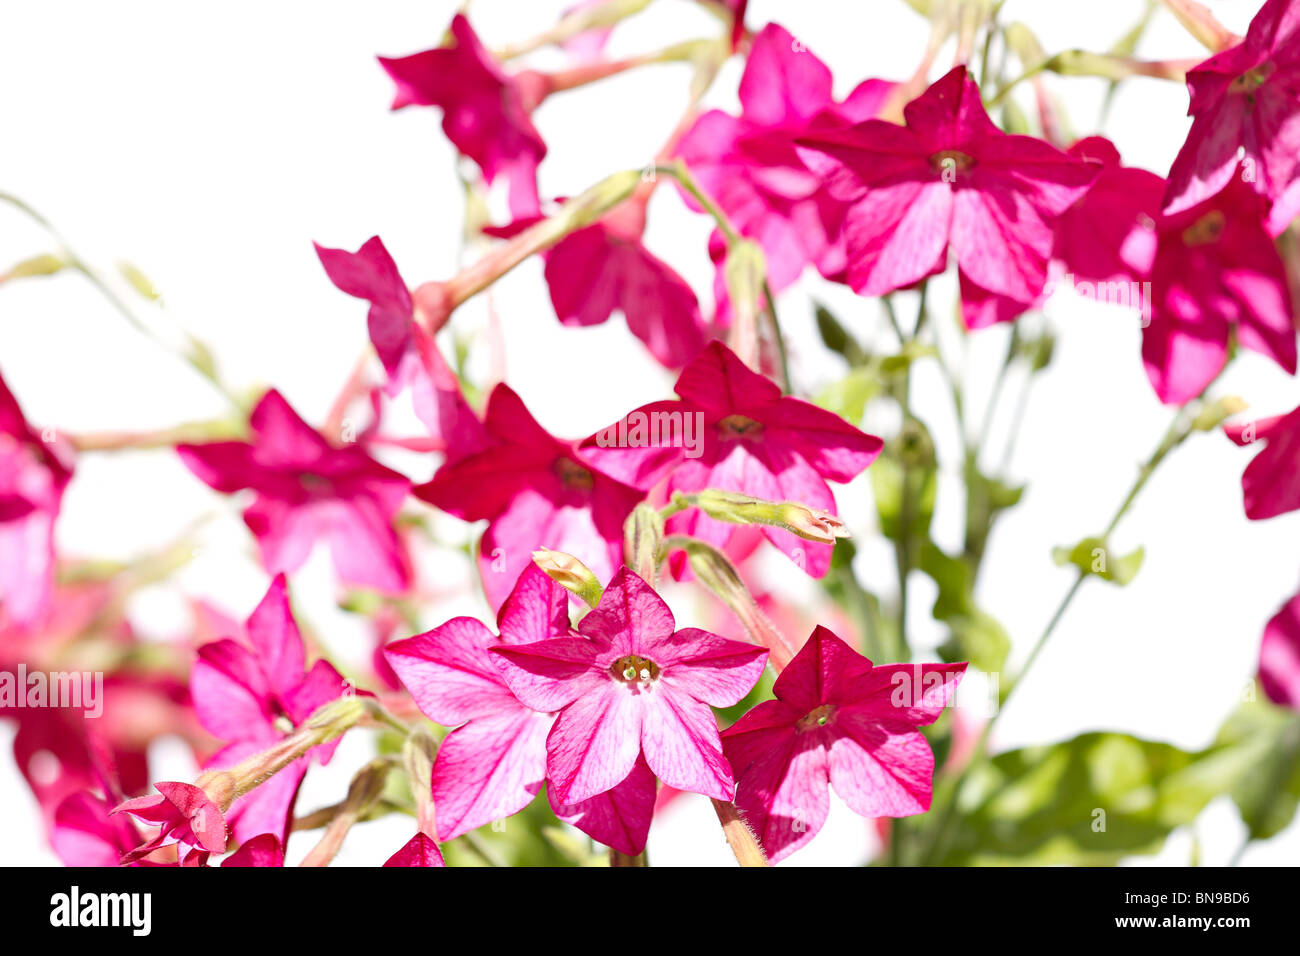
210 145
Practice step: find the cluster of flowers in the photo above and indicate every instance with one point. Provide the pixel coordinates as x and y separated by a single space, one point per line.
879 191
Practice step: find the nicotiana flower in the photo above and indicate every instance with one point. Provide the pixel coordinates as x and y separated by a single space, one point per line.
751 439
184 814
1109 236
407 350
1271 482
485 111
494 763
949 180
307 490
250 694
633 686
33 476
1246 104
262 850
837 721
1216 272
749 163
1279 656
535 492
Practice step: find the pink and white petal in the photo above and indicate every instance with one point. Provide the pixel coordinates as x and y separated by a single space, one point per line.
784 796
594 743
1279 656
536 610
630 618
418 851
707 667
880 769
262 850
549 675
450 672
274 634
489 769
681 744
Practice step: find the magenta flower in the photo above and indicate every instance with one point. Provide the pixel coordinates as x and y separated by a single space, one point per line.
1109 235
183 814
749 163
1269 486
262 850
250 694
949 180
1279 656
604 268
1246 104
751 439
308 490
632 687
494 763
1216 270
87 834
33 475
534 492
417 851
408 352
837 721
485 111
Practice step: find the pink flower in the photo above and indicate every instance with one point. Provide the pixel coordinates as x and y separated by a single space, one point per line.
750 166
183 814
837 721
485 111
751 439
262 850
308 489
251 694
534 492
407 351
1216 270
949 179
87 834
494 763
1279 656
1246 104
633 687
604 268
1269 484
33 475
1109 235
418 851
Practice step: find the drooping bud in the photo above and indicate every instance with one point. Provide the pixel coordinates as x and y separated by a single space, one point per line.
643 542
745 274
570 573
814 524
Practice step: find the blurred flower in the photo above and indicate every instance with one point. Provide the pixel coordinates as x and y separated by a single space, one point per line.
837 721
633 687
1216 272
184 814
1269 486
1279 656
33 475
308 489
262 850
1246 105
485 111
949 179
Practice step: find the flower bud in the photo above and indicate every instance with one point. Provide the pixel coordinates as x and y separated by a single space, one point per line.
570 573
813 524
643 539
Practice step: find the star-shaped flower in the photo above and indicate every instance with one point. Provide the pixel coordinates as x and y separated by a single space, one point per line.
837 721
308 490
632 686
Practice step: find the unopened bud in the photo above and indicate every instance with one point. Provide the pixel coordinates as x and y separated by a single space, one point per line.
1215 413
745 275
570 573
643 538
811 523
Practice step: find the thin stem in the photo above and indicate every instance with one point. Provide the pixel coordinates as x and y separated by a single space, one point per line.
739 836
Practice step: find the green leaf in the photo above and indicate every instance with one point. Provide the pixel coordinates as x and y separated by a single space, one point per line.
837 338
1269 738
1088 801
139 281
887 484
1093 556
849 396
976 636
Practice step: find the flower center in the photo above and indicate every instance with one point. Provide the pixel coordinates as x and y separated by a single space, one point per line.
949 162
1205 230
818 717
313 484
573 474
634 670
738 426
1252 80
